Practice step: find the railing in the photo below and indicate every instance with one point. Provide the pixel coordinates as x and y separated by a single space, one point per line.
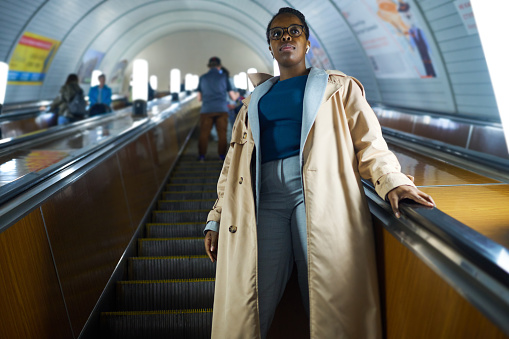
475 266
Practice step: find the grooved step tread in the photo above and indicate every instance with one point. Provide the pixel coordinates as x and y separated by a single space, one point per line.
207 310
164 281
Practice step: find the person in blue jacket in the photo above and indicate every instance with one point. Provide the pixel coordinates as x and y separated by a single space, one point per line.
99 97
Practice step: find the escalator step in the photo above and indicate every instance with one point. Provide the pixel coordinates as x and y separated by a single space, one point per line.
191 187
161 247
195 173
173 205
188 229
154 295
178 267
207 167
185 324
189 195
181 216
195 179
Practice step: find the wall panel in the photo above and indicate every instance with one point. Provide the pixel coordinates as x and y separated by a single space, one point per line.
421 305
138 176
89 228
31 300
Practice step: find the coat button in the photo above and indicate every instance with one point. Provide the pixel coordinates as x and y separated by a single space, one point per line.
233 229
244 135
241 180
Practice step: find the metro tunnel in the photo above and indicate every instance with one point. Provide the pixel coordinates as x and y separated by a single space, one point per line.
102 217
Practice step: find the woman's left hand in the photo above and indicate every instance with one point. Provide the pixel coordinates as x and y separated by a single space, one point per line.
408 192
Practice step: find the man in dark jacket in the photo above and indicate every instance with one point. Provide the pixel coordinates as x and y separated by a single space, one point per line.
212 90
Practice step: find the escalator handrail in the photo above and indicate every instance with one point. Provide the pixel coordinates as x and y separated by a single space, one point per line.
471 244
12 203
466 259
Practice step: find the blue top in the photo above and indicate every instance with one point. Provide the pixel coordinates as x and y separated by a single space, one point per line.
213 87
280 112
103 98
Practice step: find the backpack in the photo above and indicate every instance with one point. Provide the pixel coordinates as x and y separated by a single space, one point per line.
78 105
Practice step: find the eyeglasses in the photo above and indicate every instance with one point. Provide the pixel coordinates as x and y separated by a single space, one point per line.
293 30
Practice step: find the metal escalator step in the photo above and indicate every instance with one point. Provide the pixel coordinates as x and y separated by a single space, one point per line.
153 295
192 187
185 204
181 267
190 179
205 166
195 173
183 324
160 247
175 230
181 216
183 195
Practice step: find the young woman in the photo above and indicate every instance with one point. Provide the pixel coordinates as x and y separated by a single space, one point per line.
290 191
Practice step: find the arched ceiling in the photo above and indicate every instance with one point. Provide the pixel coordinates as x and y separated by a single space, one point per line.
122 28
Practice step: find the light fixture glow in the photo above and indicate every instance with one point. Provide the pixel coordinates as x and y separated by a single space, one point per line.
140 79
241 81
276 68
4 71
488 20
175 80
188 82
153 82
196 81
94 80
250 85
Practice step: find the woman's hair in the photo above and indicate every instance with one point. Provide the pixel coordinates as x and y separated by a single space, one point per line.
71 78
293 11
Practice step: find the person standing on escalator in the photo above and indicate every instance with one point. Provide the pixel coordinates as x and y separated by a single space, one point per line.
290 193
212 90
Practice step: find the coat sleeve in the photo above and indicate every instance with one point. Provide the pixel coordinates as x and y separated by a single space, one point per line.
375 162
214 216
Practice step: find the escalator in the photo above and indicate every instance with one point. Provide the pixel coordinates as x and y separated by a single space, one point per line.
170 287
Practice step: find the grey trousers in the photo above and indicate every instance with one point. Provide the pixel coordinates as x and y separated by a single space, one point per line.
282 236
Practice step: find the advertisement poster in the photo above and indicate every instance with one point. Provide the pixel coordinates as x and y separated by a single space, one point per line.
466 13
393 36
317 56
90 61
31 59
116 77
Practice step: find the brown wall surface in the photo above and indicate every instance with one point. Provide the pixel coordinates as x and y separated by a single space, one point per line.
31 303
419 304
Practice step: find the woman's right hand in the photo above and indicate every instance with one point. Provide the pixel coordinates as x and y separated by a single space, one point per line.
211 244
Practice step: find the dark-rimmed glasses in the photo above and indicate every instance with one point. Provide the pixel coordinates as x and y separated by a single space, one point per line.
294 30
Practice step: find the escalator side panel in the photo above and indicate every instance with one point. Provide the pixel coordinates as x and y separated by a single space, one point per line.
417 303
32 302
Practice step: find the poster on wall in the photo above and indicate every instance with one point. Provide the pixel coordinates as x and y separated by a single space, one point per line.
90 61
31 59
317 56
466 13
393 35
117 76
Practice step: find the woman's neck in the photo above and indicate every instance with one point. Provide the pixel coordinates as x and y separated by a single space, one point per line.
287 73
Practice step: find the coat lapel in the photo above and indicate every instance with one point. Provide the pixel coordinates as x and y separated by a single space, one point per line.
254 122
313 96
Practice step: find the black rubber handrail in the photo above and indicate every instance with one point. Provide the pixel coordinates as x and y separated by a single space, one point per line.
466 259
31 180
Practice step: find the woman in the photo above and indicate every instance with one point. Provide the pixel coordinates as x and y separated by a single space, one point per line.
61 104
306 136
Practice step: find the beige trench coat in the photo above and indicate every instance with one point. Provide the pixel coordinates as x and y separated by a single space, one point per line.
341 142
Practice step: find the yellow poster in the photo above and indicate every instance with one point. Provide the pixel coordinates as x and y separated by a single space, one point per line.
31 59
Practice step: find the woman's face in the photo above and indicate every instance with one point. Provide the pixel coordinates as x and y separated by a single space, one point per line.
288 50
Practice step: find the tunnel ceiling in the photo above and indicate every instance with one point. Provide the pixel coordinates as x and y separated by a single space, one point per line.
340 30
